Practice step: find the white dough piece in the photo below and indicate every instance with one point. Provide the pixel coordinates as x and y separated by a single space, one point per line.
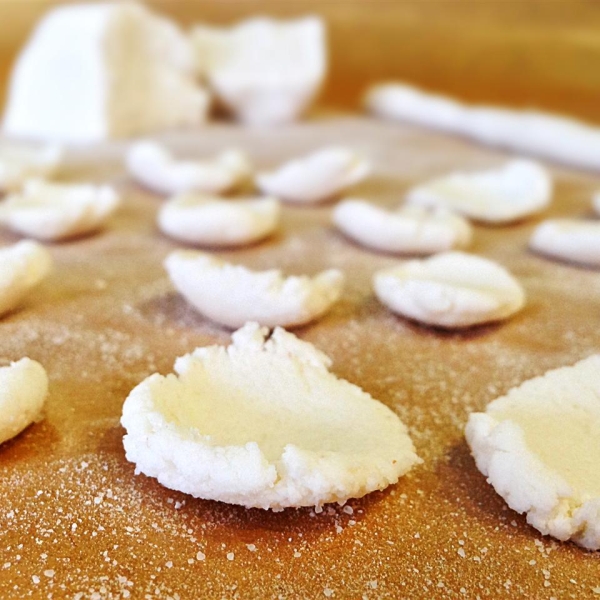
22 267
263 423
233 295
23 390
407 230
596 203
210 221
96 71
518 189
539 445
316 177
265 71
153 166
525 131
568 239
50 211
450 290
19 163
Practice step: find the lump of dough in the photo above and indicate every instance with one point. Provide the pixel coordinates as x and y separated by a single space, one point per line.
316 177
151 165
568 239
50 211
450 290
539 447
233 295
210 221
23 390
516 190
408 230
19 163
264 71
95 71
22 267
263 423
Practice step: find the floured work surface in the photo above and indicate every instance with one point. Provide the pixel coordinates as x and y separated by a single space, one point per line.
74 518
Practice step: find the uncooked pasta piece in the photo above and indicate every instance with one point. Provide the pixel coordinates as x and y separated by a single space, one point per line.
23 390
497 196
568 239
539 445
209 221
51 211
319 176
18 163
154 167
233 294
450 290
22 267
407 230
263 423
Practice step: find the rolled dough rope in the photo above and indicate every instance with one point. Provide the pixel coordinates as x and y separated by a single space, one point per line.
555 137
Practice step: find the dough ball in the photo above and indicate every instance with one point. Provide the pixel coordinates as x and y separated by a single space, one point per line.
497 196
22 267
450 290
319 176
263 423
539 447
568 239
232 294
23 390
407 230
209 221
50 211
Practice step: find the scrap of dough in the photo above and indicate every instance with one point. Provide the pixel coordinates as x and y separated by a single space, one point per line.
210 221
19 163
233 295
516 190
23 390
450 290
153 166
568 239
539 445
408 230
22 267
316 177
265 71
558 138
263 423
50 211
96 71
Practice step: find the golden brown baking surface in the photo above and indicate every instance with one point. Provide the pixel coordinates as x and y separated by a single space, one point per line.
75 520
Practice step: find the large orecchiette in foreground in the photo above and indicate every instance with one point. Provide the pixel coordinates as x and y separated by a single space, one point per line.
263 423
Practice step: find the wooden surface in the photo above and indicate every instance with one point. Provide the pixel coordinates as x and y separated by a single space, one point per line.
77 523
541 53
